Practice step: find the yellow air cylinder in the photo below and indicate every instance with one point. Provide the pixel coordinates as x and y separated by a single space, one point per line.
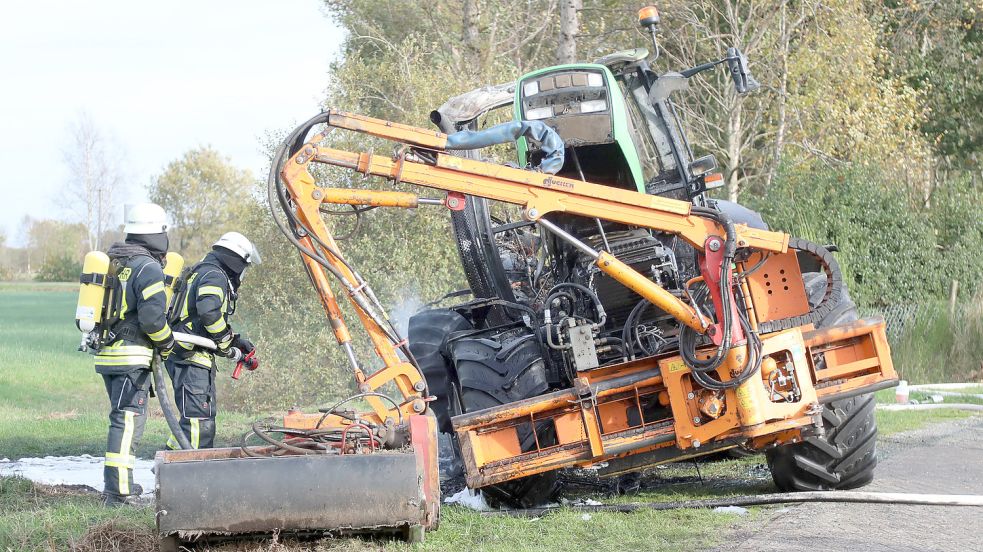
88 312
172 269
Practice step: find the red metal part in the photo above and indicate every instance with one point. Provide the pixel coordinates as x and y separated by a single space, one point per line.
423 437
455 201
710 263
249 361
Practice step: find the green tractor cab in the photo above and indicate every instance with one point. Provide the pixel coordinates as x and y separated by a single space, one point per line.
615 116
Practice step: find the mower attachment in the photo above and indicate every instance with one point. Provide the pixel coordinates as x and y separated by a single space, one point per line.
207 495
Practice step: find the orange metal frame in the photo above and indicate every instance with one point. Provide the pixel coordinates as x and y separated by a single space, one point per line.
602 417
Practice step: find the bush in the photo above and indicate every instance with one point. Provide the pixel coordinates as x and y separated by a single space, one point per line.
61 268
956 214
941 346
887 248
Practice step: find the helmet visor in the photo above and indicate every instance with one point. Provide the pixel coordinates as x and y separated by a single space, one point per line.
254 257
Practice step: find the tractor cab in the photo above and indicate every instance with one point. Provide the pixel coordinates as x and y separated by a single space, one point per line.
614 115
614 134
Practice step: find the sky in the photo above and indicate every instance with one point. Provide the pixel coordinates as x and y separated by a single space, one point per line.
158 79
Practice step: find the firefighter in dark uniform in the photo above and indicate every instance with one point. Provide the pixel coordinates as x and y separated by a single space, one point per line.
208 299
140 328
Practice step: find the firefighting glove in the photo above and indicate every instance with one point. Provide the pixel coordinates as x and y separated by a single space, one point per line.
243 344
166 348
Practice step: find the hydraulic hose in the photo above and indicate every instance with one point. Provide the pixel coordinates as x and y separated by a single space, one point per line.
586 291
166 405
687 337
934 406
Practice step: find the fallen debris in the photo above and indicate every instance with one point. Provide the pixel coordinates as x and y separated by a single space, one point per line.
469 499
731 510
114 535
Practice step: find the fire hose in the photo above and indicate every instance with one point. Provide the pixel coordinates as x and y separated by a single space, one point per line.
914 499
166 404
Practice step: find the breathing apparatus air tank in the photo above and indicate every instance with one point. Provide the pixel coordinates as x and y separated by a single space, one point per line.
92 292
173 266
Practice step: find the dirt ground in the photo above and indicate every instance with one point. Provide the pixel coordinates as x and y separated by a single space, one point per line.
943 458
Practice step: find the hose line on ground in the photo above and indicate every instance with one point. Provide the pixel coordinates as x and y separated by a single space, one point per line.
758 500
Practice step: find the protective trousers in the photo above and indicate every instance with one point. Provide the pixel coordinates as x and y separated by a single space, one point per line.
128 393
194 396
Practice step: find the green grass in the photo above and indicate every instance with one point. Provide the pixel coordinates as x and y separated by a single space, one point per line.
962 396
889 422
36 517
939 347
896 421
643 530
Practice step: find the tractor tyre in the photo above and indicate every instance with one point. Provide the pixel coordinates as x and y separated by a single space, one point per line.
501 370
428 332
845 455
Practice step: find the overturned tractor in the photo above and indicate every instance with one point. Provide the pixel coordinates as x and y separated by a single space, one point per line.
620 318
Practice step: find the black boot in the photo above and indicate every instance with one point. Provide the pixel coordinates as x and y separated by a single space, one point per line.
113 500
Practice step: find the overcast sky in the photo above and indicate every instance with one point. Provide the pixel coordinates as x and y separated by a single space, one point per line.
158 77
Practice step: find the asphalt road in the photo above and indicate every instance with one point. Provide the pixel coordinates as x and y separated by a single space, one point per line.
944 458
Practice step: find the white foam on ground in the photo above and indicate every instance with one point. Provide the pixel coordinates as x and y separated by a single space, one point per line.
73 470
469 499
731 510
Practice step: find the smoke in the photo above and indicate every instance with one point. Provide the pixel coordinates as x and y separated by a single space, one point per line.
408 304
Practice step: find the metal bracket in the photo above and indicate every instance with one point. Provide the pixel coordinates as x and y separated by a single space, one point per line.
588 404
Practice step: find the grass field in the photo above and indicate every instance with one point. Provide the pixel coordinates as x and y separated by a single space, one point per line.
53 403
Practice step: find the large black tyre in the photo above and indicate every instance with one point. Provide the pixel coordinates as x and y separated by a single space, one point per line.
428 331
845 455
498 370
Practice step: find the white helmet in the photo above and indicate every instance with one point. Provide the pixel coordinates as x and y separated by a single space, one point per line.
238 244
144 218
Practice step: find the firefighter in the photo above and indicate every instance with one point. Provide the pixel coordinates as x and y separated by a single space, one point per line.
203 309
141 327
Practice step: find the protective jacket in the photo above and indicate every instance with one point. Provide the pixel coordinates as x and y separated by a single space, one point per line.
208 300
142 323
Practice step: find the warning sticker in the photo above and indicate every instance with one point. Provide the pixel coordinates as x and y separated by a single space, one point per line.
676 366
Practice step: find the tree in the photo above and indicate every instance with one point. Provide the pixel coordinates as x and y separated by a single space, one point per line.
566 44
53 247
937 48
94 178
205 195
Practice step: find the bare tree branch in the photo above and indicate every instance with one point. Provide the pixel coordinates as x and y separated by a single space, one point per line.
94 178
